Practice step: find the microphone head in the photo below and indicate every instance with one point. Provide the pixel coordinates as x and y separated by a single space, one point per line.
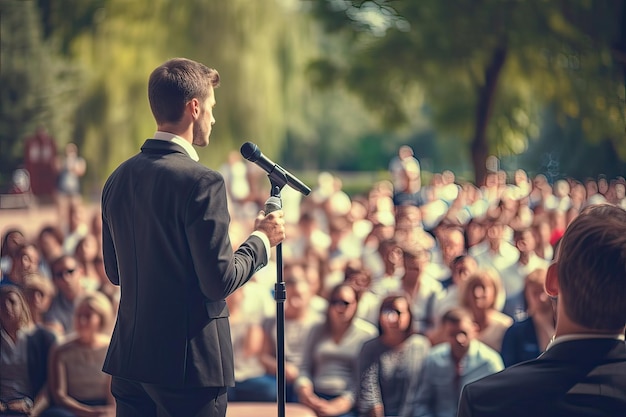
250 151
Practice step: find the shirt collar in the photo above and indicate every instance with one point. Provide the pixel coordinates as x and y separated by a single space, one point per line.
582 336
189 149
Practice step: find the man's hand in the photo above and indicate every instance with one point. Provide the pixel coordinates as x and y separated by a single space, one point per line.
273 225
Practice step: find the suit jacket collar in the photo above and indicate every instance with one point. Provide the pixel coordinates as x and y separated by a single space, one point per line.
157 146
587 350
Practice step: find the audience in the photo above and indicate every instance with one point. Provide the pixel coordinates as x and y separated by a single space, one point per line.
514 276
39 292
329 372
389 365
66 274
299 319
25 261
77 384
251 381
12 239
451 365
423 290
479 297
24 349
583 370
86 254
439 233
50 244
528 338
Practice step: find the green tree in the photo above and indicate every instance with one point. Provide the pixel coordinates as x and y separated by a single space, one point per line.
37 87
488 68
260 51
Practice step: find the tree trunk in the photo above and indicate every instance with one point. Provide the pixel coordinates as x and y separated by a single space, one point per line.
486 94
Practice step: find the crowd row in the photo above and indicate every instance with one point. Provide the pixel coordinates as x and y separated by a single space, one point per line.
395 299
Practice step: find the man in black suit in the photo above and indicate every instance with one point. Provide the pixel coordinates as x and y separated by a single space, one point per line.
583 371
166 243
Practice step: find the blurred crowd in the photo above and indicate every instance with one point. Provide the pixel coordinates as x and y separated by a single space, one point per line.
396 298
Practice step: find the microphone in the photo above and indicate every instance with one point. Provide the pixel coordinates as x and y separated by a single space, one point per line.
272 204
253 154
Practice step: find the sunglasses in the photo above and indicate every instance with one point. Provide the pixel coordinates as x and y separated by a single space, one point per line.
341 303
61 274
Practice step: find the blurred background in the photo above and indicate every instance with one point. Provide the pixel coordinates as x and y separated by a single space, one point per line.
327 85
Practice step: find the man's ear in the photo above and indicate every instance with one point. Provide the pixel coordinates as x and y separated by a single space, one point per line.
194 107
552 280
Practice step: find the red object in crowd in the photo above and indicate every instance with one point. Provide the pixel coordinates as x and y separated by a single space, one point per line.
40 154
556 235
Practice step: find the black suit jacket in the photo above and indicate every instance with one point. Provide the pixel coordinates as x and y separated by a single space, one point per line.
165 242
574 378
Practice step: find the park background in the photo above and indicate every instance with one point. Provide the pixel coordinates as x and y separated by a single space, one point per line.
329 84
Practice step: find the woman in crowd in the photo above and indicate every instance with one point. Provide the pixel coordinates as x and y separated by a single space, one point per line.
528 338
38 291
479 297
300 317
12 239
390 363
86 254
77 384
329 371
50 244
24 349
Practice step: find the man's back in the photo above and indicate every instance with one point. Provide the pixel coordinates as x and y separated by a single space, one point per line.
165 241
584 377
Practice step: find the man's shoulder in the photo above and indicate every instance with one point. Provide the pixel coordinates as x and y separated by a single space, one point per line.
174 167
519 378
556 366
542 386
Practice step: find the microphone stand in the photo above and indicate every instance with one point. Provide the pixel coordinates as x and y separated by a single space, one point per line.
278 180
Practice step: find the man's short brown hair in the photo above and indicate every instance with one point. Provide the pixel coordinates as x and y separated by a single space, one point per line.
592 268
173 84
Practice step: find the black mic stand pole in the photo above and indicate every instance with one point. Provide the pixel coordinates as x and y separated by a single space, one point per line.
278 180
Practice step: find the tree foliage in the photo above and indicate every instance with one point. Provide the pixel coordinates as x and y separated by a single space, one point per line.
261 50
488 68
37 86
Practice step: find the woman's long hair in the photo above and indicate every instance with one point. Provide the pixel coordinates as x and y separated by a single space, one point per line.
25 319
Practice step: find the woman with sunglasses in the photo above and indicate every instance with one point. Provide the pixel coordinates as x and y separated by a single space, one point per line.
329 372
390 364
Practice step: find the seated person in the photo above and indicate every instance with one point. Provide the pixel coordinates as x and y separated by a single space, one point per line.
528 338
451 365
300 317
479 297
24 349
251 381
390 364
77 384
329 370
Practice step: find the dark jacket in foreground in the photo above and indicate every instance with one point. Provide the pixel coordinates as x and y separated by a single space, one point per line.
573 378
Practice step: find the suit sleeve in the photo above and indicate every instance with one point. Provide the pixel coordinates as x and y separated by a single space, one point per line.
108 252
220 271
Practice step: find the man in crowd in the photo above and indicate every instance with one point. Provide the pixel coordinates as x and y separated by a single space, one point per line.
583 371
